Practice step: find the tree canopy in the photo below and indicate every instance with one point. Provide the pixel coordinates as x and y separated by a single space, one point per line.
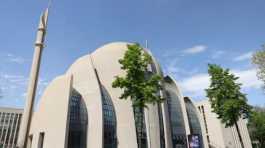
139 84
256 125
258 59
227 101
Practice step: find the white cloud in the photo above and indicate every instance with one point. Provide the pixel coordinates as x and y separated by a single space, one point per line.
24 94
172 67
15 59
248 78
244 56
14 79
195 85
217 54
14 86
195 49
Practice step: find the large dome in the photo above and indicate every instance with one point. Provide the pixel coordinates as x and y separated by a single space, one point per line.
109 52
82 109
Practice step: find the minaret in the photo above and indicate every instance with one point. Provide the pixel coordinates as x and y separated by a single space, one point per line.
27 115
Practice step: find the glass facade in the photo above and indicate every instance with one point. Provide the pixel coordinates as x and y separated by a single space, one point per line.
194 122
110 137
9 127
176 116
78 122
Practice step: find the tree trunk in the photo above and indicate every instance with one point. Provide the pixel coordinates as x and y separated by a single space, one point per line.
239 135
262 143
141 127
138 125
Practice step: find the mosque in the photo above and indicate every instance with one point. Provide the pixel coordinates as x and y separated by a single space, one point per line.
81 109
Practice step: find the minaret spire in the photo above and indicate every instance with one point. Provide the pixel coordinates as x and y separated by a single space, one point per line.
33 80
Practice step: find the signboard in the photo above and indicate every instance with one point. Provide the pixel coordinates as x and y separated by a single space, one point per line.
194 141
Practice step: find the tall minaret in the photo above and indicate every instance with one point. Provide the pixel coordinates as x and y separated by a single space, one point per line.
27 115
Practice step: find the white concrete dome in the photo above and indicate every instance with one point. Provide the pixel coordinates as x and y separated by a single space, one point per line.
82 109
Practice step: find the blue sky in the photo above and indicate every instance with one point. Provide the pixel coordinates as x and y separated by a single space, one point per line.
184 35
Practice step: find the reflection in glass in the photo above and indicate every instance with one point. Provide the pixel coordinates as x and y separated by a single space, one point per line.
194 123
110 137
78 122
175 115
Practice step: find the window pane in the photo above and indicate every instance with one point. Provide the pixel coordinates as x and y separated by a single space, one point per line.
78 122
178 132
110 137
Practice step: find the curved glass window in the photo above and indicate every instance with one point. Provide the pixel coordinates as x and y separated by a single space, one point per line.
194 122
110 137
176 116
78 122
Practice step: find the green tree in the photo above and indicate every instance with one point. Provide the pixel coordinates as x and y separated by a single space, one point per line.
258 59
256 125
139 85
226 98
